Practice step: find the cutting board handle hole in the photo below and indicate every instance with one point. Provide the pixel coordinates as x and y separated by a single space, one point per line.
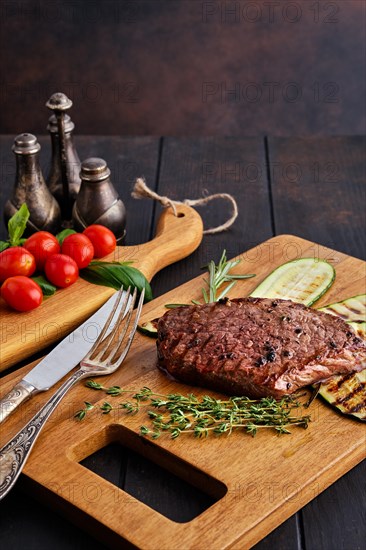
152 475
180 215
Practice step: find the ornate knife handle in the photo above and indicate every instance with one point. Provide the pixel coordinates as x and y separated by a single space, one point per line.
21 392
14 454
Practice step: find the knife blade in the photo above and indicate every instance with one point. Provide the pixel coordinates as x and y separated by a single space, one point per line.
61 360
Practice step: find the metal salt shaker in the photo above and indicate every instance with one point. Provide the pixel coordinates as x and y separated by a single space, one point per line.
30 188
63 179
98 201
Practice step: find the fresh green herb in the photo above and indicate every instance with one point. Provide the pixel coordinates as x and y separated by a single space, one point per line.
80 415
17 225
47 288
218 275
116 274
16 228
63 234
173 306
177 414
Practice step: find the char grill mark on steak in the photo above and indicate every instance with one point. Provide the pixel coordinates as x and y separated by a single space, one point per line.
237 347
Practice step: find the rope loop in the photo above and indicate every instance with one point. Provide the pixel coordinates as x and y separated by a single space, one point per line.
142 191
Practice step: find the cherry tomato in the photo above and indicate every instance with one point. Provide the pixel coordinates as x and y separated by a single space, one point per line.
61 270
102 238
42 245
16 261
79 248
21 293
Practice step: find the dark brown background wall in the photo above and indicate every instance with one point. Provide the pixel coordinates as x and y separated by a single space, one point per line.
186 67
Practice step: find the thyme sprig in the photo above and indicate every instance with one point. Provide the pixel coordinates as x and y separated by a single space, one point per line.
178 414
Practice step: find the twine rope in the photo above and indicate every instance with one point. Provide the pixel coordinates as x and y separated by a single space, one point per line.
142 191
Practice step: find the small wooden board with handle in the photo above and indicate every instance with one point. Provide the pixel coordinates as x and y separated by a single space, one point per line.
257 482
23 334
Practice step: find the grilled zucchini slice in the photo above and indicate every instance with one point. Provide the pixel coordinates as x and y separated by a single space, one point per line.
348 393
352 309
150 328
303 281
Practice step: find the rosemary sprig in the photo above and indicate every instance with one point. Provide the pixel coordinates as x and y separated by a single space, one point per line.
177 414
217 276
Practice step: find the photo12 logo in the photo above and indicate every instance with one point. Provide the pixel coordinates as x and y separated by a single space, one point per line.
240 11
224 172
269 92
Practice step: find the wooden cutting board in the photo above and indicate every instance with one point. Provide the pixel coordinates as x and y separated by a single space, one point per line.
258 482
23 334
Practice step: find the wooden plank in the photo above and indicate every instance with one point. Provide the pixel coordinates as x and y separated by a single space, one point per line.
284 537
336 518
318 188
26 520
191 169
234 521
319 192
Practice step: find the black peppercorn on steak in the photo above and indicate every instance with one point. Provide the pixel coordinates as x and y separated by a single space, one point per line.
256 346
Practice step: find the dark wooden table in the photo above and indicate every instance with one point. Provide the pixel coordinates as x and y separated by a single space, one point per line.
310 187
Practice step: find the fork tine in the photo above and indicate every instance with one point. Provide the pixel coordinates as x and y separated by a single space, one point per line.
107 342
107 360
133 330
106 326
113 349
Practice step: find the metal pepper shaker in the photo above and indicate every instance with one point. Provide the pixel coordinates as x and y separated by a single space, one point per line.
98 201
54 178
30 188
63 179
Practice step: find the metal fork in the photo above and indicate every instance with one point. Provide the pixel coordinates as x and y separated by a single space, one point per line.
106 355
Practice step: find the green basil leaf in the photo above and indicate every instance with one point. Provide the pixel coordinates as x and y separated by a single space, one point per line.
17 224
63 234
4 245
115 275
47 288
138 280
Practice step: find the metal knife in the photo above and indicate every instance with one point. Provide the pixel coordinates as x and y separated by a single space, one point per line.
61 360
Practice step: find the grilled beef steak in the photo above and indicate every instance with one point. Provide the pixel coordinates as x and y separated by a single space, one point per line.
256 346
